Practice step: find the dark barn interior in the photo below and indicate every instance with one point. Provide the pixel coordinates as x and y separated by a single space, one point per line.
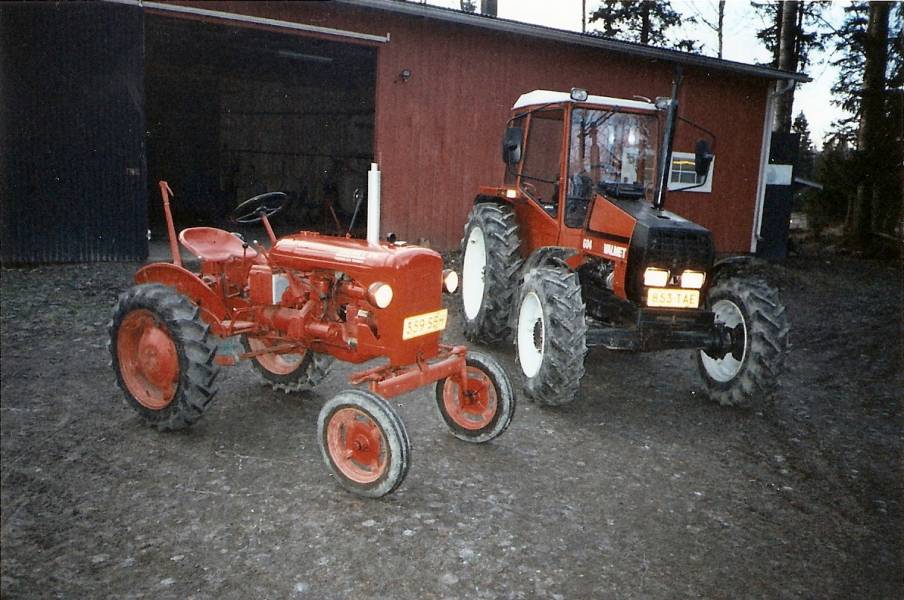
233 112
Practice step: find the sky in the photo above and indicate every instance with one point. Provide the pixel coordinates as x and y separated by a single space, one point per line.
739 41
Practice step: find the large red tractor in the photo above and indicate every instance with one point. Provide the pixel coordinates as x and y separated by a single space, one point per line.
576 250
297 306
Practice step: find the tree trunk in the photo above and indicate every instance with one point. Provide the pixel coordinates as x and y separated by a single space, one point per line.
869 137
778 35
645 22
720 29
787 61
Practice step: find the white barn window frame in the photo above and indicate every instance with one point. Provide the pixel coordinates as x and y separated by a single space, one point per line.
682 175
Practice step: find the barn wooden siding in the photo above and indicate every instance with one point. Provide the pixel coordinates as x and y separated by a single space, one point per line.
438 134
72 173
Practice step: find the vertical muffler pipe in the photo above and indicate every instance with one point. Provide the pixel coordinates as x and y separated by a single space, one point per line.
373 205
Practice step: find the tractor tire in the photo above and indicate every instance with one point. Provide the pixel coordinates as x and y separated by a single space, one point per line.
163 356
484 413
288 372
551 335
489 272
364 443
756 310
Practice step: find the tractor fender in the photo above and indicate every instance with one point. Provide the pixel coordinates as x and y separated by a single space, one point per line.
213 310
738 265
492 194
553 256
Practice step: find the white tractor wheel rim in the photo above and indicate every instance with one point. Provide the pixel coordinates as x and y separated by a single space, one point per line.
531 335
472 273
725 369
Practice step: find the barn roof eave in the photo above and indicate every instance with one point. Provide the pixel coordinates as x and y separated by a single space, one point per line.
574 38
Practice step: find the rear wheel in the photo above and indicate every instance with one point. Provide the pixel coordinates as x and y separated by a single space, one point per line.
755 313
163 355
551 335
364 443
485 410
489 272
288 372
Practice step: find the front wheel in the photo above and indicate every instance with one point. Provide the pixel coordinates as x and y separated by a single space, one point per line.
483 409
755 313
551 335
489 272
364 443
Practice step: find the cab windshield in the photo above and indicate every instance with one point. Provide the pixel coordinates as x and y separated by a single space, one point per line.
613 153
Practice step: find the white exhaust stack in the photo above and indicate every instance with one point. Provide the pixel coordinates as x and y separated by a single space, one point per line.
373 205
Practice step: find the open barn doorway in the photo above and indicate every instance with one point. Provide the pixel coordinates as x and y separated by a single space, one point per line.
233 112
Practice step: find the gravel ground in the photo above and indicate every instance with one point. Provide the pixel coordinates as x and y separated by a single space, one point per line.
640 489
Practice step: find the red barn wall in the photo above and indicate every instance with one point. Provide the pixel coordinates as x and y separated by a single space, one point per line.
438 134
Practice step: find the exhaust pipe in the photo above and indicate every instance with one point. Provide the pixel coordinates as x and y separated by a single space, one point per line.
373 205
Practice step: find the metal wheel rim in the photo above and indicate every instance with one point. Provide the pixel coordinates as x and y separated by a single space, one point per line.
148 359
726 368
476 409
278 364
531 334
473 273
357 445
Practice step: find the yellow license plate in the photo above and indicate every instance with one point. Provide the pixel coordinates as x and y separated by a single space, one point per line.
673 298
419 325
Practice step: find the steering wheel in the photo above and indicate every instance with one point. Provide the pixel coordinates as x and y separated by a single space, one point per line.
254 209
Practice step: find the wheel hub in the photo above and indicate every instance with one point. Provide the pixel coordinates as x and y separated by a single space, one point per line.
538 335
356 446
727 367
148 359
473 407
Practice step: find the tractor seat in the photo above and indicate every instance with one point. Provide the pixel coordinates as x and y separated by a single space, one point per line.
213 244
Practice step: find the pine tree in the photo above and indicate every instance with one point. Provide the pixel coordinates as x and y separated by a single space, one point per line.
645 22
810 26
868 86
806 156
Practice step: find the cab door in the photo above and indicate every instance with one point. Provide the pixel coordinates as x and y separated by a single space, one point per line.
540 179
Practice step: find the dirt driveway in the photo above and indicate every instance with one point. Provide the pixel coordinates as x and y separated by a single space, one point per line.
641 489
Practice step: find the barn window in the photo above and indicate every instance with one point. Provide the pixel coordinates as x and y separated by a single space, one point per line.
682 175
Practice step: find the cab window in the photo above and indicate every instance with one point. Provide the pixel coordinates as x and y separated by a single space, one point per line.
540 171
611 153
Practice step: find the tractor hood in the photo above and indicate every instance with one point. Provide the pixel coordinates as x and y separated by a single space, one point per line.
657 238
307 251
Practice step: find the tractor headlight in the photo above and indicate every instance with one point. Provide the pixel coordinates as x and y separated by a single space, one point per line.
692 279
450 281
654 277
380 294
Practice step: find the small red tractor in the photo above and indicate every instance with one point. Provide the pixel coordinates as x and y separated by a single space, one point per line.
297 306
576 250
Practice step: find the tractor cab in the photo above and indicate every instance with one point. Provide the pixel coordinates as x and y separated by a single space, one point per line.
587 172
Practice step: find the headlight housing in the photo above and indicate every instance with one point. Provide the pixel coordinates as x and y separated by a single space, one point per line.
380 294
654 277
692 279
450 281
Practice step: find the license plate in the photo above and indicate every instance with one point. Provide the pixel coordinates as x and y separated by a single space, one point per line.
673 298
419 325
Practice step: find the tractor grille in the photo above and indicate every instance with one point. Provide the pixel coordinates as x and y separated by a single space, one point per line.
680 248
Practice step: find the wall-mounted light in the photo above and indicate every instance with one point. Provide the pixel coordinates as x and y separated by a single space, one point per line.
405 75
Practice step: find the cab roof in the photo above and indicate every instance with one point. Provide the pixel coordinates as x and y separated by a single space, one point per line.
538 97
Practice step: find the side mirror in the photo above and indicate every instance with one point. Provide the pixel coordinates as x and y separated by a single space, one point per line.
511 145
702 158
